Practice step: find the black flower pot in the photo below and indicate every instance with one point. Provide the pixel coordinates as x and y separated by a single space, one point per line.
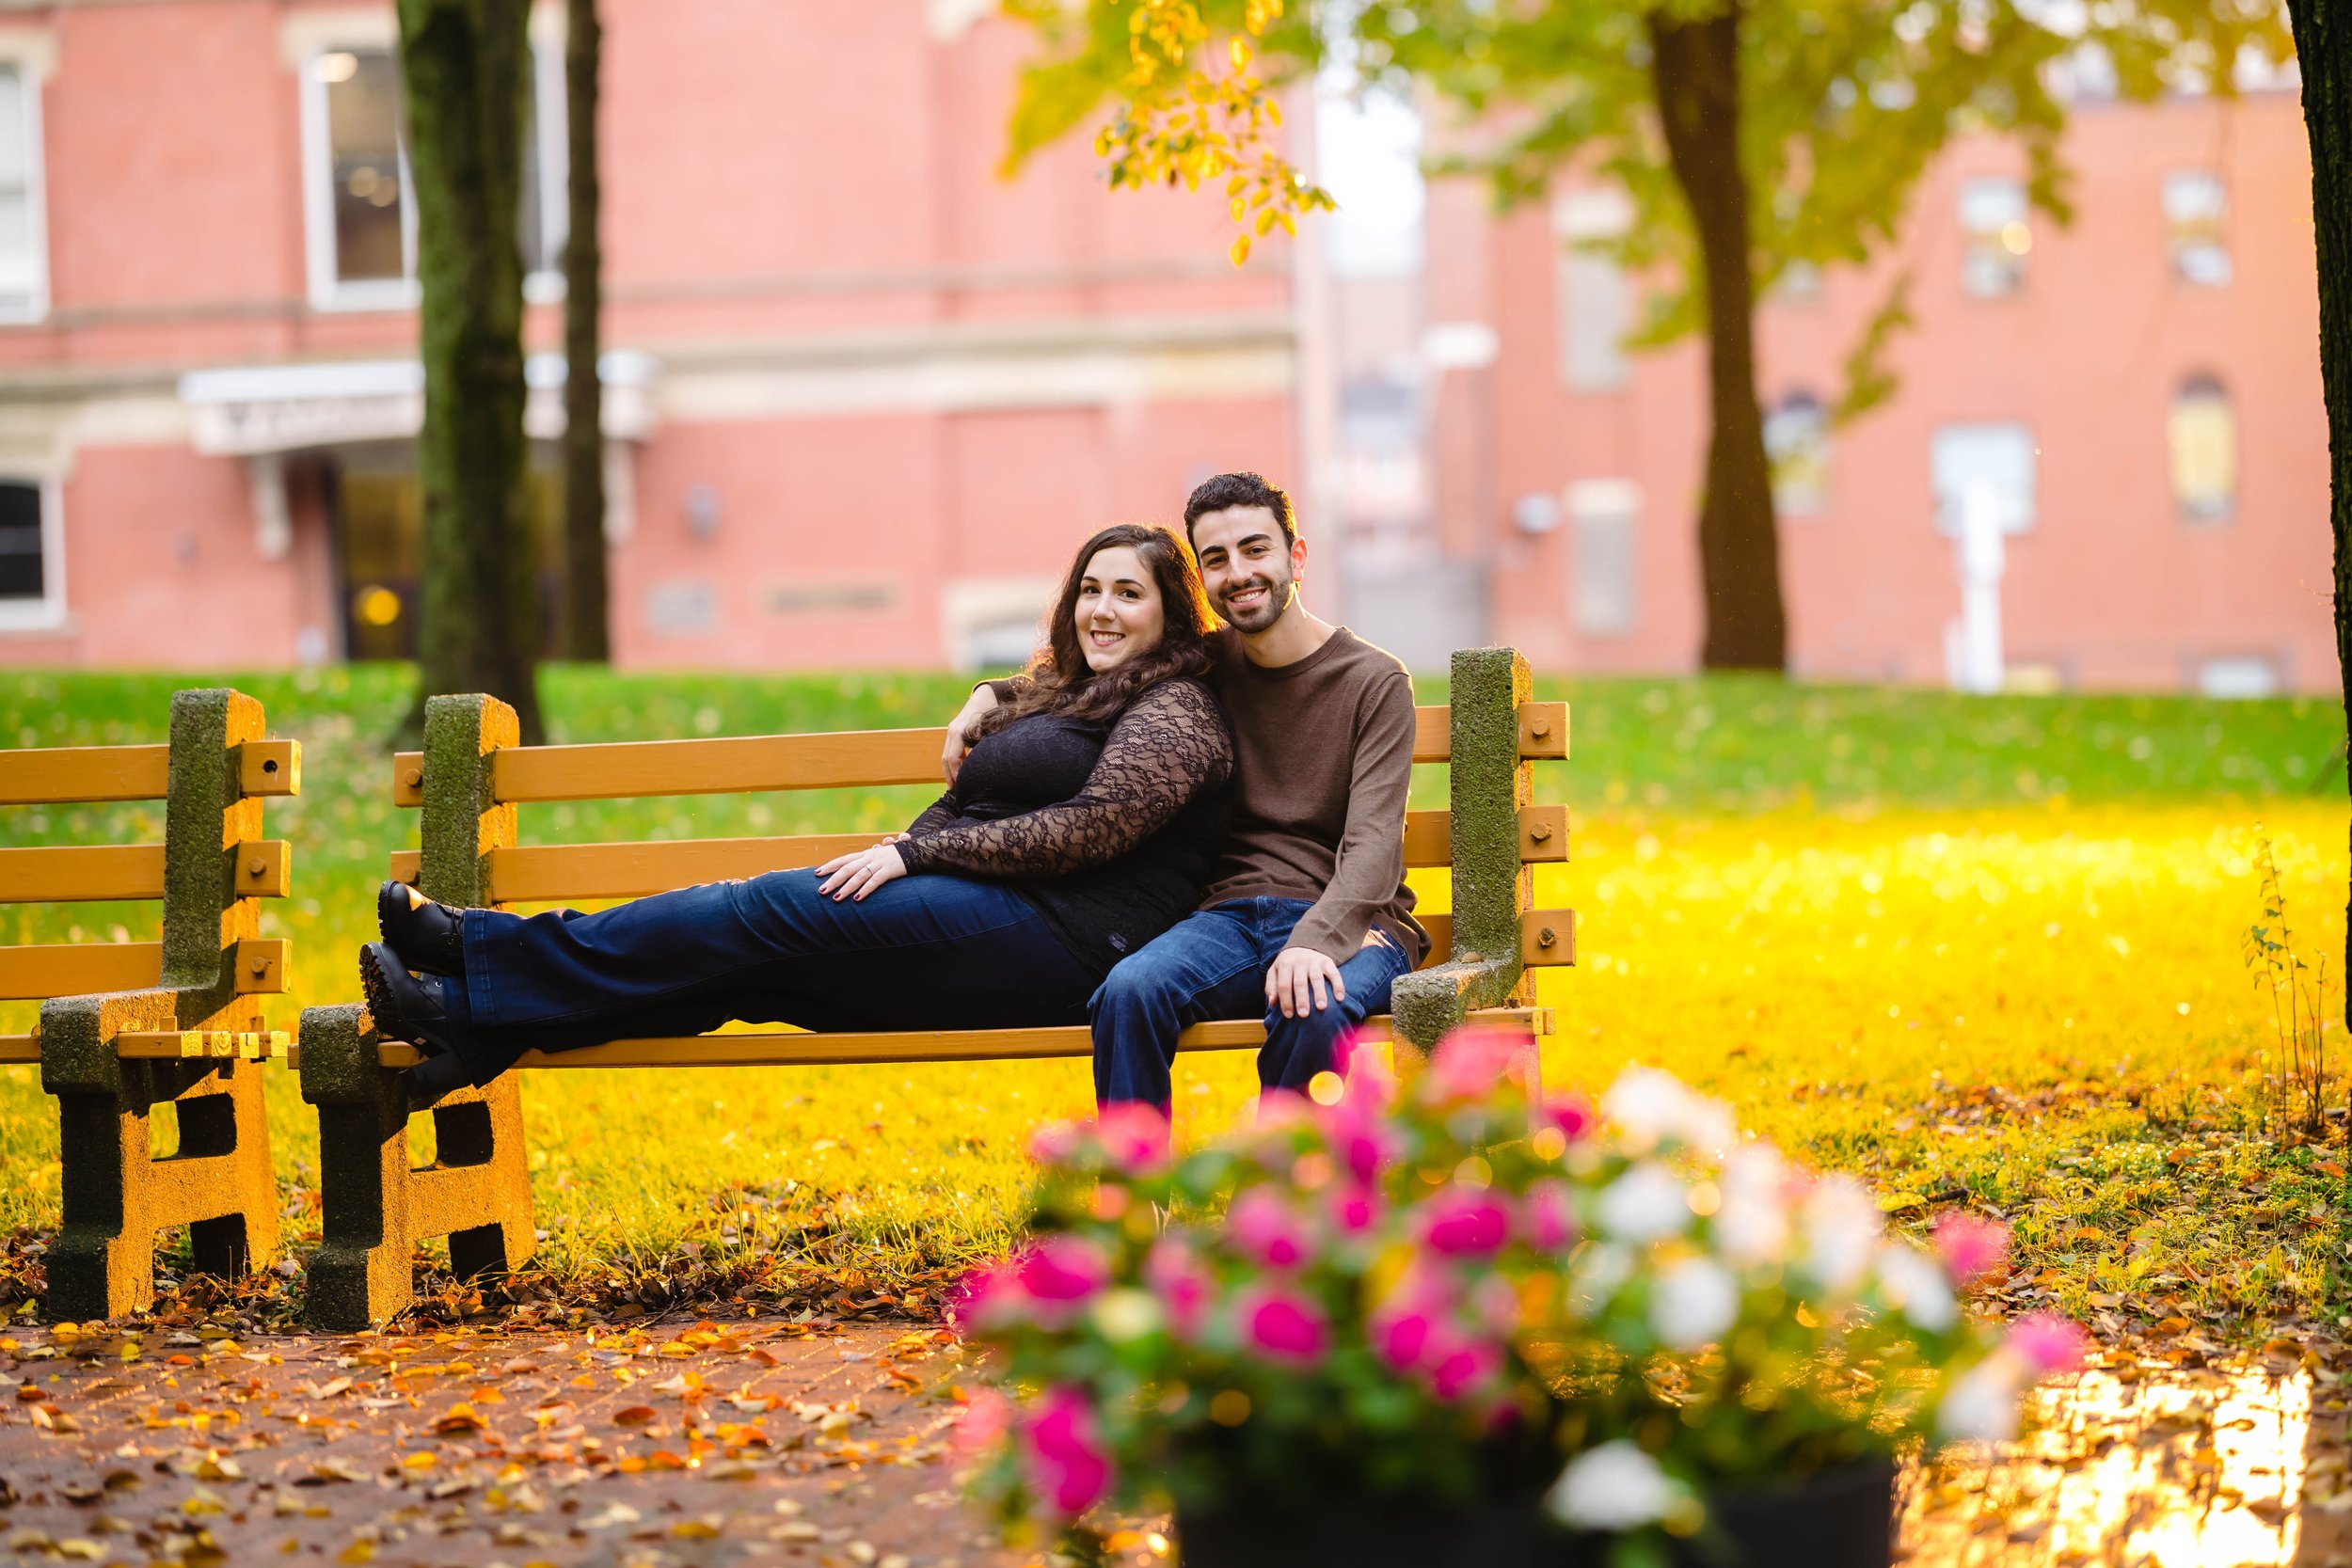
1844 1518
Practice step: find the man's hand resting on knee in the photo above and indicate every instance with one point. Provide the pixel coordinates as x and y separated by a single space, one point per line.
1301 980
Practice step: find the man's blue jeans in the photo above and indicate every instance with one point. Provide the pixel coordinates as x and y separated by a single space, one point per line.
1213 965
925 952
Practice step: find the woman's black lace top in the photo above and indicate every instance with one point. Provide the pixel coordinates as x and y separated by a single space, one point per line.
1110 830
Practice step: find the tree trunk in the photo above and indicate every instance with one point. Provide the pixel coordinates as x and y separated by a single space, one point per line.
587 633
1695 68
2322 49
462 62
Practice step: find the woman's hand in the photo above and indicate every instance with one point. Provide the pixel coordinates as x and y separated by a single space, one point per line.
855 875
951 757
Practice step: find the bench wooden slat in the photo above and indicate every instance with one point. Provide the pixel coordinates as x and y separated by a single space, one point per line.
548 873
61 775
622 770
66 874
982 1045
184 1044
19 1048
1534 951
78 969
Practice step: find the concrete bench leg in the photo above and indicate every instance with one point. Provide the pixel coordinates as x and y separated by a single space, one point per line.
375 1206
117 1195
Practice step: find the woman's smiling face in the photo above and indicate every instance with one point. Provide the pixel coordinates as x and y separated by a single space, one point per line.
1118 612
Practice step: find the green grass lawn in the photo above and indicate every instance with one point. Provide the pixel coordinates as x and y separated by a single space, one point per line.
1980 950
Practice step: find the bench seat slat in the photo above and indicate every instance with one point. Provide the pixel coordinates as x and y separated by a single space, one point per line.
62 775
793 1050
18 1049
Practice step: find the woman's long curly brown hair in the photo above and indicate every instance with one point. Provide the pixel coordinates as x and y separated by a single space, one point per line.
1058 679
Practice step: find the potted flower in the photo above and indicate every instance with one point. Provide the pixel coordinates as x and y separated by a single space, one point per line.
1438 1324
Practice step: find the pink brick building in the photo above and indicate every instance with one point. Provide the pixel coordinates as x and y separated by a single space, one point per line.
864 395
2139 394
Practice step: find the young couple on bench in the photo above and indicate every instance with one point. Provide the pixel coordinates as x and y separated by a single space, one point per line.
1161 821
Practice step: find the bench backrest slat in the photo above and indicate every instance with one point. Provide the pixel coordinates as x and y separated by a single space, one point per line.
735 764
78 969
71 874
70 774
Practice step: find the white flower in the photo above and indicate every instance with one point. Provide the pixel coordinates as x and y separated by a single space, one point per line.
1981 1403
1697 1300
1648 1201
1752 1227
1841 1230
1613 1487
1916 1286
1650 1107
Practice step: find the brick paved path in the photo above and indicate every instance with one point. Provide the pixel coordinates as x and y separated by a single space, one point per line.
766 1442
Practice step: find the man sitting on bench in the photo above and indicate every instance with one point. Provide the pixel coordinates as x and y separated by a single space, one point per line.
1306 919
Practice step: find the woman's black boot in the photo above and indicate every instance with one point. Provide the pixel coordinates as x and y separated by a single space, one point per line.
427 936
433 1077
404 1007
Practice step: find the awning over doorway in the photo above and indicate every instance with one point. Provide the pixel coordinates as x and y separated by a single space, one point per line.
248 410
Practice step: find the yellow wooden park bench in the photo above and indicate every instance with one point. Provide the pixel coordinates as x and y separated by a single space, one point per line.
473 775
128 1026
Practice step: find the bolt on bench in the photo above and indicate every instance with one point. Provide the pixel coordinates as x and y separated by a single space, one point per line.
473 775
128 1026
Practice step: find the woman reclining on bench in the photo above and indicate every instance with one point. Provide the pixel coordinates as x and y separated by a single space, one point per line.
1085 821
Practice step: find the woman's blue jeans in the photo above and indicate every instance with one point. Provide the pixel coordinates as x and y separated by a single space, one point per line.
1213 965
921 952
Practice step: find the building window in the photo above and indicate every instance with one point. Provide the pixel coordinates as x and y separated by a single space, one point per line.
1983 464
1796 438
1995 236
1604 514
2201 434
2195 210
363 230
32 563
1596 303
23 245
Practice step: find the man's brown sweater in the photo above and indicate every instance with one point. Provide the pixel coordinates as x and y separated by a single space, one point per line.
1324 759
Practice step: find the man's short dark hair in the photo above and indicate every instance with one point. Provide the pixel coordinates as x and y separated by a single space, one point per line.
1243 489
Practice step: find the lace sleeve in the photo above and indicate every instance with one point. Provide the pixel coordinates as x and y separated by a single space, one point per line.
935 815
1170 744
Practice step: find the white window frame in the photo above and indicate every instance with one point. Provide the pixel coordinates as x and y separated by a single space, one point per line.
328 291
48 613
32 55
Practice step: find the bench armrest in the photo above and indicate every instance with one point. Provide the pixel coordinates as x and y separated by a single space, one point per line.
339 1061
1430 1002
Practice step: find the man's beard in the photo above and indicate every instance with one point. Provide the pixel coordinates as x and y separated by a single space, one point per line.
1265 612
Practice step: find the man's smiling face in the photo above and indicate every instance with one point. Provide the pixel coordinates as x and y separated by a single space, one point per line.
1249 570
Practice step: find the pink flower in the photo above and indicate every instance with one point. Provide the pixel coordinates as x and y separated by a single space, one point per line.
2048 1344
1408 1320
1571 1114
1461 1366
1971 1248
1058 1273
985 1296
1343 1050
985 1421
1283 1325
1357 1140
1354 1210
1265 1227
1066 1462
1173 1273
1056 1142
1472 1062
1460 1222
1547 1216
1135 1136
